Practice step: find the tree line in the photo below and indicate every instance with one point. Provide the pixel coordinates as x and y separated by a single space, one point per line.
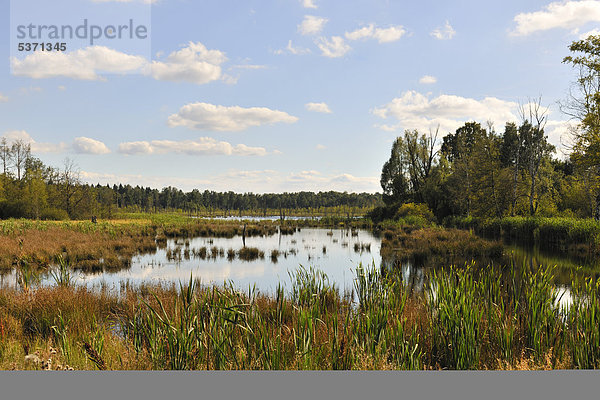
477 171
30 189
225 203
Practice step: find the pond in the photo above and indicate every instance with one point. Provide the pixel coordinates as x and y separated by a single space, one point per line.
336 252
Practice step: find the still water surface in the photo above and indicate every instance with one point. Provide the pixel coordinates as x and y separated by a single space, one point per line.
337 252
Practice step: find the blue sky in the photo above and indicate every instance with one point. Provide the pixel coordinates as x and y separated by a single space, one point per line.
285 95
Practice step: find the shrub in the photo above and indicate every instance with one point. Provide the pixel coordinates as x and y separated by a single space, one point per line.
54 214
415 210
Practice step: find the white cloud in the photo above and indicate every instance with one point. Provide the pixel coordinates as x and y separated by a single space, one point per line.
414 110
84 145
567 15
3 98
333 48
445 32
132 148
428 80
201 147
293 50
194 63
82 64
353 180
312 25
361 33
309 4
306 176
320 147
204 116
12 136
391 34
316 181
382 35
593 32
318 107
243 150
559 134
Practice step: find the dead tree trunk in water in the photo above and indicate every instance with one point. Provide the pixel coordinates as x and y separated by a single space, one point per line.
244 236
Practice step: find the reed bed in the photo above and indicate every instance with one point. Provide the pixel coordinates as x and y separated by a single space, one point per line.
468 317
579 237
177 254
83 246
446 245
250 254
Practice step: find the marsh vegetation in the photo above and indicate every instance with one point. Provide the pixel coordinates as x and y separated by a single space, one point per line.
400 297
481 253
468 317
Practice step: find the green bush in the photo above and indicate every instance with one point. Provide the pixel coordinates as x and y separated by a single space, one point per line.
54 214
416 210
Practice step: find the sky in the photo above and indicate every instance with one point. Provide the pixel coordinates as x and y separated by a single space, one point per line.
281 95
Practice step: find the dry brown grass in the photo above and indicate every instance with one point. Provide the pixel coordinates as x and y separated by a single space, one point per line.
28 322
85 250
106 245
530 363
447 244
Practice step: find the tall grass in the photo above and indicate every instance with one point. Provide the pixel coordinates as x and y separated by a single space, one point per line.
456 318
380 326
62 274
584 322
541 317
475 313
469 317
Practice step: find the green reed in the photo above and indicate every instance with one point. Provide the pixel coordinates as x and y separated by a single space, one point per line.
456 317
541 319
584 321
62 274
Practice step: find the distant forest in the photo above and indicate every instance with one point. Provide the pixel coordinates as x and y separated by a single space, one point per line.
30 189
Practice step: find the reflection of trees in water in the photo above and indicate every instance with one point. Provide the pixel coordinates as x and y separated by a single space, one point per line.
415 271
566 267
413 275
